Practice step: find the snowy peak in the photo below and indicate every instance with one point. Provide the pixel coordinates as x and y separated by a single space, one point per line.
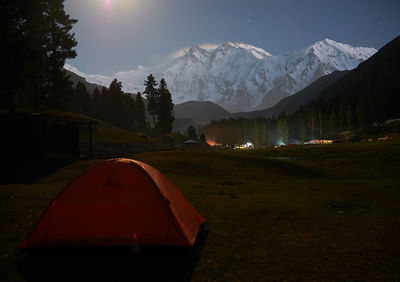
327 47
195 51
224 48
195 54
91 78
256 52
339 55
74 70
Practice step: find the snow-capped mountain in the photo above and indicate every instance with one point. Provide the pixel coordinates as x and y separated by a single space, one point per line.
241 77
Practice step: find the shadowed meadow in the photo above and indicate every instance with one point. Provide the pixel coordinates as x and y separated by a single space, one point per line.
291 213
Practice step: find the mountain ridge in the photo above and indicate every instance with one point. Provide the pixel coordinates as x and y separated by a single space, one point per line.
241 77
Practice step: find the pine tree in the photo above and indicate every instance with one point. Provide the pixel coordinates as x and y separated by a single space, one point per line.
115 87
165 115
312 120
302 130
37 38
59 47
115 115
283 129
152 97
349 118
96 100
103 104
192 132
361 112
22 36
321 123
332 123
81 100
301 123
129 109
140 113
342 117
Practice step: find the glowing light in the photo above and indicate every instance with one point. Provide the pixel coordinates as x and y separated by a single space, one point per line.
247 145
319 142
211 142
121 5
280 143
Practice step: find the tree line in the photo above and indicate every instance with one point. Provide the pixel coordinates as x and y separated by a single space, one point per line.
126 111
321 119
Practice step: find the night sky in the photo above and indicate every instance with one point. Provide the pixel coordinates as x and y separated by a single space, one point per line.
117 35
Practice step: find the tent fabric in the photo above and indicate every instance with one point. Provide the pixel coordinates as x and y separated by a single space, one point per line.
118 202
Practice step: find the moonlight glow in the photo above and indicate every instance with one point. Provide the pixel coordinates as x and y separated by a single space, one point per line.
121 5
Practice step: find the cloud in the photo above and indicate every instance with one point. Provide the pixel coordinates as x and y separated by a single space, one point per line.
180 52
209 46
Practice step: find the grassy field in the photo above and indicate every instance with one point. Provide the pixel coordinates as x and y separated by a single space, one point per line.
329 212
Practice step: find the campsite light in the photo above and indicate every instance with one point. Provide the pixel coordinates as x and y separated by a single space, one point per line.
247 145
211 142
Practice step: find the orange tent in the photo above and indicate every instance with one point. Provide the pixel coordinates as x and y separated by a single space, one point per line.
118 202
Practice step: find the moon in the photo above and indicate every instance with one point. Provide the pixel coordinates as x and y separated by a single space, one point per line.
107 3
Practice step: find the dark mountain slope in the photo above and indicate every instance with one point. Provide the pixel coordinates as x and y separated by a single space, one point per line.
374 84
201 111
303 97
76 78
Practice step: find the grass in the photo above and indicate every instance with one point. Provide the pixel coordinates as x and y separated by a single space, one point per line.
106 133
103 132
295 213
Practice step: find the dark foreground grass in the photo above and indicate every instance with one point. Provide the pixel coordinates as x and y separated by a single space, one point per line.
294 213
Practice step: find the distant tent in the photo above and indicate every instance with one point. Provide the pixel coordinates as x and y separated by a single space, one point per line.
191 141
119 202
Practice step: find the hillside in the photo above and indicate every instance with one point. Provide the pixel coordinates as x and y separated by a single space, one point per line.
201 111
373 87
292 103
